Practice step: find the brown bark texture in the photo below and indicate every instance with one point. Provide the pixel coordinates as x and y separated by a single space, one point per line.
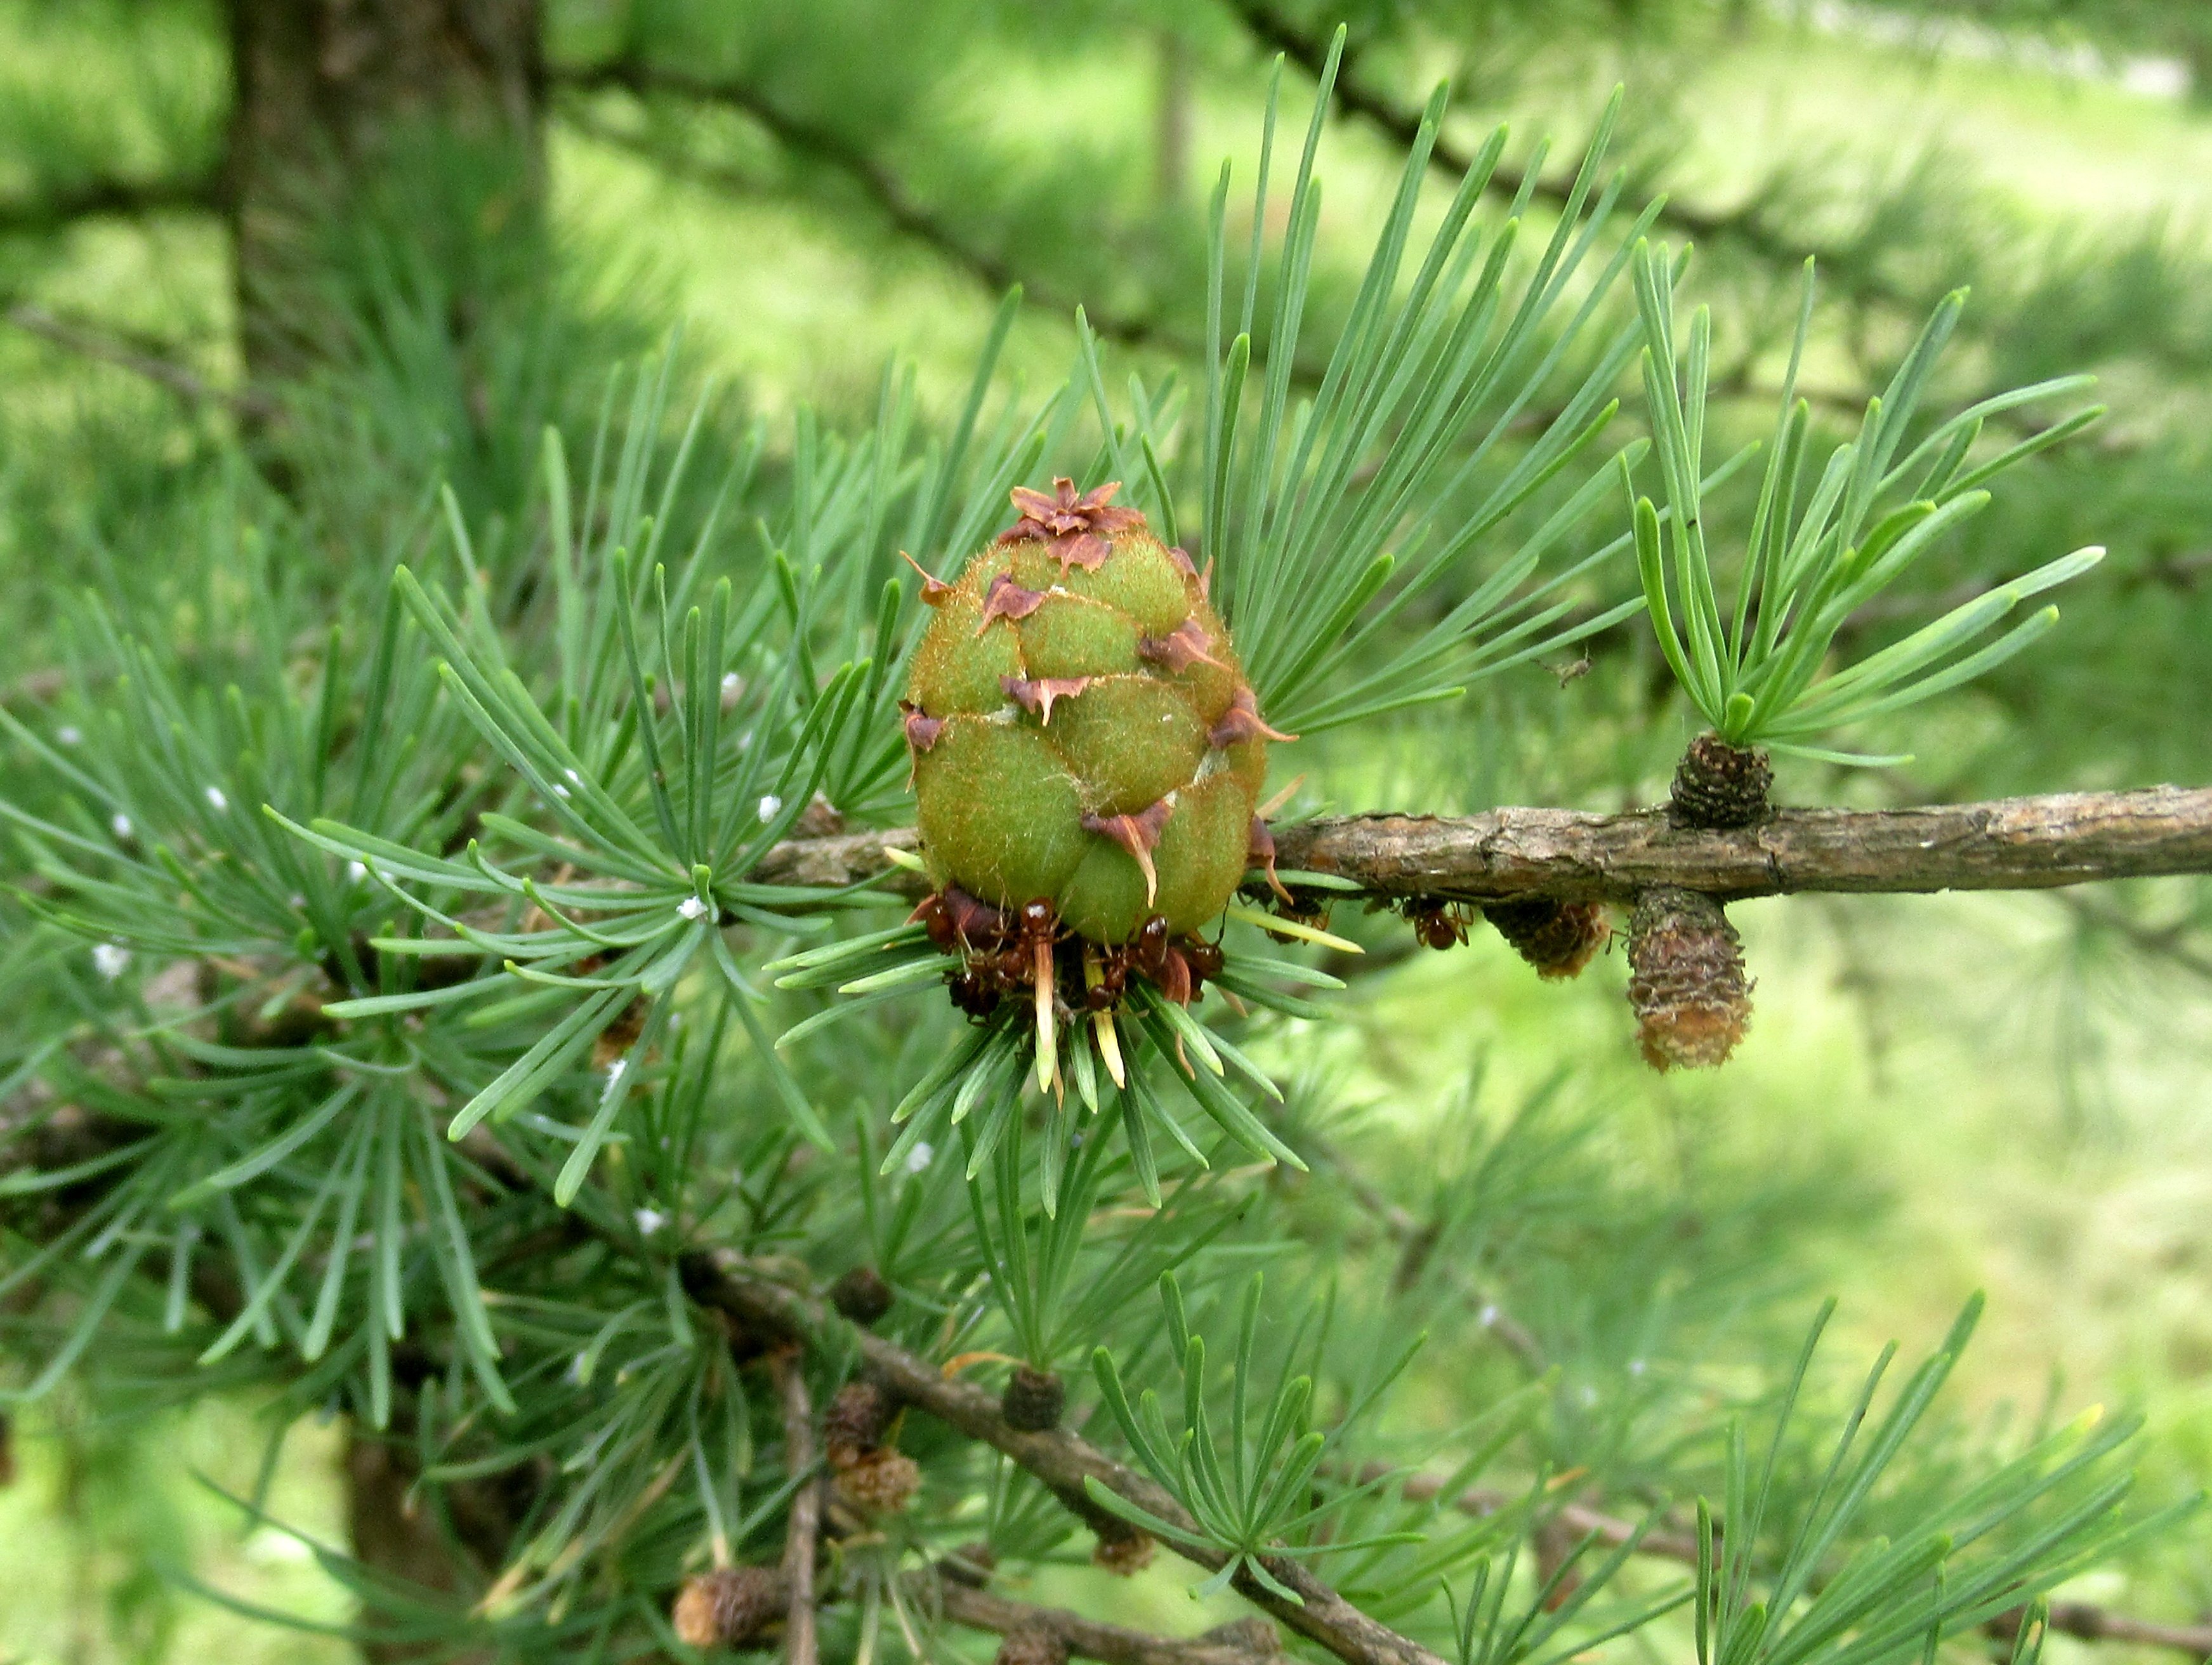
1568 855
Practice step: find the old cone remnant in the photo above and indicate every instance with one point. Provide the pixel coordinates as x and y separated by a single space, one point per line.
1685 980
1559 939
1087 759
728 1607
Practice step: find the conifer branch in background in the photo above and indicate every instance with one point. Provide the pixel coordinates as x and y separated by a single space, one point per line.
903 212
162 369
106 198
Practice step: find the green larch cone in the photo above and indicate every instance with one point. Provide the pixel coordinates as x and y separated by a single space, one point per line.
1082 732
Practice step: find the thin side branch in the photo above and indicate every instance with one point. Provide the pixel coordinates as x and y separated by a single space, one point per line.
1061 1459
109 198
1567 856
803 1524
1091 1638
159 369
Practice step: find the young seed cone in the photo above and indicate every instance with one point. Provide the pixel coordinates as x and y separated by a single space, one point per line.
1685 980
1081 730
1033 1399
1718 785
861 1295
728 1607
1559 939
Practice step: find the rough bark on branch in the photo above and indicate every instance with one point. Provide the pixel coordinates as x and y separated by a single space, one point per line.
1061 1459
1568 855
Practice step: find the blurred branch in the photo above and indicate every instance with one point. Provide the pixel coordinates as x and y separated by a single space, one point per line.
110 198
1748 226
160 368
1416 1243
882 186
2080 1620
1569 855
2164 942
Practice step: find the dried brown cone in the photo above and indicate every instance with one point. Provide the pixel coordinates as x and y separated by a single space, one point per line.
1033 1399
1121 1549
1032 1645
1558 938
855 1424
861 1295
1718 785
1685 980
728 1607
881 1482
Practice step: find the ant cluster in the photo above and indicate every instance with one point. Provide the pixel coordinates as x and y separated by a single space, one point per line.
1029 954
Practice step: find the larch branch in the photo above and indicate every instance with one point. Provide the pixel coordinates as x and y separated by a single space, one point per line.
1568 856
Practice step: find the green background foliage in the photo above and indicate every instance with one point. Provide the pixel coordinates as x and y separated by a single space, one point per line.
1938 1096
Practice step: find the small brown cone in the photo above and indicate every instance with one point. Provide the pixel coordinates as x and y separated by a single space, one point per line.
1718 785
881 1482
1558 938
855 1422
1033 1399
1032 1645
1123 1550
1685 980
727 1607
861 1295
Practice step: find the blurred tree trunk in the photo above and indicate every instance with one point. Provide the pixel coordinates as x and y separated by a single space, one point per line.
379 148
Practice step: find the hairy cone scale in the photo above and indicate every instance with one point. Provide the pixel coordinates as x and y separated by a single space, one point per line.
1080 727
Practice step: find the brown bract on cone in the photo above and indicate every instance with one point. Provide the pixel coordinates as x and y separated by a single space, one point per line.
1559 939
1032 1645
1685 980
729 1607
1718 785
1033 1399
879 1482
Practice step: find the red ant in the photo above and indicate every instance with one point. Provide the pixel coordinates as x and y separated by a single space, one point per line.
1439 925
